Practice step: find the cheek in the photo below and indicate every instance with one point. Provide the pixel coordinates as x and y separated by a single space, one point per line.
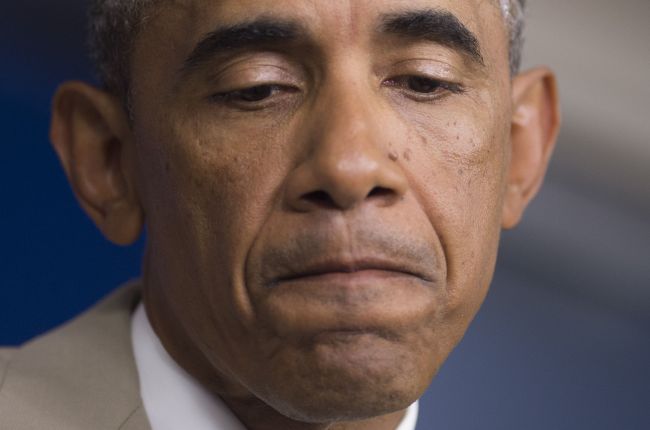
206 198
458 168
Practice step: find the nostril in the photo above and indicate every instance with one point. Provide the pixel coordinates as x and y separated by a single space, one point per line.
381 192
325 200
320 198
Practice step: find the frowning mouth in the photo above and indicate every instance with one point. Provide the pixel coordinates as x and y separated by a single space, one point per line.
348 298
350 271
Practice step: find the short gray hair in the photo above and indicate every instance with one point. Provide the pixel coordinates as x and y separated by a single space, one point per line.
114 25
513 12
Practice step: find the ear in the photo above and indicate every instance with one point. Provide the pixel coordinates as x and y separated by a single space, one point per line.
91 135
534 130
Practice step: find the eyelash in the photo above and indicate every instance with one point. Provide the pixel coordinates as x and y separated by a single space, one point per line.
440 88
238 97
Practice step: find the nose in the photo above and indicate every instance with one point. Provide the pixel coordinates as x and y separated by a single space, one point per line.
349 160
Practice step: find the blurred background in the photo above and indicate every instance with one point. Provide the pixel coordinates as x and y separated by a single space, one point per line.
563 340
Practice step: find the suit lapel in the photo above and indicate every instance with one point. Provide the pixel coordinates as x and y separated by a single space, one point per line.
80 376
136 421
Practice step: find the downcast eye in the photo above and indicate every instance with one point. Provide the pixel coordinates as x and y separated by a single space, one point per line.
424 88
422 85
253 94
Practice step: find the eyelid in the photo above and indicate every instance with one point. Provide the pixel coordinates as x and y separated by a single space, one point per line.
450 79
274 89
252 59
451 86
280 96
424 67
234 80
247 74
444 90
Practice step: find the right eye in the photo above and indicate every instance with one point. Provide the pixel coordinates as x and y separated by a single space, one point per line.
424 88
422 85
255 97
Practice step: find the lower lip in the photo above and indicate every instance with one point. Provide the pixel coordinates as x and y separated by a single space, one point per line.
347 305
349 279
350 335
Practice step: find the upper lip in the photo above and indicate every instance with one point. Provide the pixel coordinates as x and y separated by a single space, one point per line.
325 249
351 266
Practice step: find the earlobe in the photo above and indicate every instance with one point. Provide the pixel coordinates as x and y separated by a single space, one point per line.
91 135
534 129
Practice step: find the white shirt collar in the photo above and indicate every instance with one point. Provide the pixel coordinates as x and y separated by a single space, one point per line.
173 400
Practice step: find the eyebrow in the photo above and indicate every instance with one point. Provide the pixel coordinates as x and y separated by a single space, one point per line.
439 26
247 35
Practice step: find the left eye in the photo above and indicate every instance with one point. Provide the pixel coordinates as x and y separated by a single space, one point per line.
422 85
250 95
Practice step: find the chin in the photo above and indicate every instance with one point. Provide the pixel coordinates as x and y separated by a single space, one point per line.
353 406
333 405
346 378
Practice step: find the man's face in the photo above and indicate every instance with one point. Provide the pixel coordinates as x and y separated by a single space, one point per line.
323 185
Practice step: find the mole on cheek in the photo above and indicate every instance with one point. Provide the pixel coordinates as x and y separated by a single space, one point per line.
393 156
423 140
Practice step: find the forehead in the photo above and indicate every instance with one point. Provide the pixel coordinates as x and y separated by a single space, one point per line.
175 28
347 19
358 9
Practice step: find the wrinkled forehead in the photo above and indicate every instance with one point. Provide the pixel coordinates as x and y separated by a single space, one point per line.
186 21
338 16
177 28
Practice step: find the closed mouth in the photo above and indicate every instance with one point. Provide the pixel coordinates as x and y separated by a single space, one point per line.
350 268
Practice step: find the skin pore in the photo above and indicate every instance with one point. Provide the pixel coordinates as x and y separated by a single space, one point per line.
323 184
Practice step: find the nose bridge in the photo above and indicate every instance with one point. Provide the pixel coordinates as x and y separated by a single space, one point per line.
348 159
346 122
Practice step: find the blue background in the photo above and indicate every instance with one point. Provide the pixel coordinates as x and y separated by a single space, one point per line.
54 262
561 342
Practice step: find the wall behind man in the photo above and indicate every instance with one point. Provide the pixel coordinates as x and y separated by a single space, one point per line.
563 341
